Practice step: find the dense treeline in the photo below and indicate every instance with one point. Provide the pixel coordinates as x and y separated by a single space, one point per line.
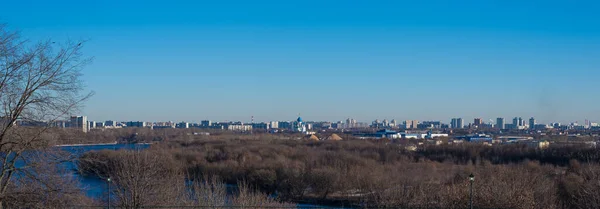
383 174
147 135
155 179
468 153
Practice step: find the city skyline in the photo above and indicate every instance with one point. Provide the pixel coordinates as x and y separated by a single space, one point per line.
301 126
248 119
460 121
328 60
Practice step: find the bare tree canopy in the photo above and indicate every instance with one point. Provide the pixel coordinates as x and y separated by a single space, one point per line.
39 83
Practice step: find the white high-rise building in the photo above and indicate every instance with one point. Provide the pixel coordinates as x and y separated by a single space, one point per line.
386 123
274 124
79 122
521 122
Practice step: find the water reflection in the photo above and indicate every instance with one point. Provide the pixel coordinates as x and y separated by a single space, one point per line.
94 186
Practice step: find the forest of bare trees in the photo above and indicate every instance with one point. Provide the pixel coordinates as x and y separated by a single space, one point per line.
366 173
156 179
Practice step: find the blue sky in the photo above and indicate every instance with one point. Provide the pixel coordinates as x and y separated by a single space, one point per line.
328 60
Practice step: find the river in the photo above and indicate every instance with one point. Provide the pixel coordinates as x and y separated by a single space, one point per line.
95 187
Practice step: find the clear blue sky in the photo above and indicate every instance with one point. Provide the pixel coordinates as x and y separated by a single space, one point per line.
329 60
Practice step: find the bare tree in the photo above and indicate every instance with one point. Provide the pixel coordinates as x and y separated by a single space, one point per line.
145 178
39 84
581 190
45 186
210 192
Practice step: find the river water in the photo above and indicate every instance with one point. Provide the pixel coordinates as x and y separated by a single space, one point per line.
95 187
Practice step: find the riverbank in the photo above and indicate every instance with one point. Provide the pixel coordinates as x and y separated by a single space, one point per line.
97 144
79 145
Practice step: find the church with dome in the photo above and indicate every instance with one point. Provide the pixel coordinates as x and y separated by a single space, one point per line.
299 125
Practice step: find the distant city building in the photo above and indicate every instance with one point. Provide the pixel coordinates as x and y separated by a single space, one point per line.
160 126
476 138
587 123
274 125
541 127
377 124
430 125
285 125
79 122
60 124
239 127
323 125
31 123
137 124
110 123
521 122
205 123
99 124
92 124
410 124
182 125
532 123
456 123
556 125
386 123
518 123
415 123
425 126
486 125
220 126
477 121
260 126
350 123
347 124
168 124
500 123
509 126
337 125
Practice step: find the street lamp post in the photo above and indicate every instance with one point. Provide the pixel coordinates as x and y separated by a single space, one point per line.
108 183
471 180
